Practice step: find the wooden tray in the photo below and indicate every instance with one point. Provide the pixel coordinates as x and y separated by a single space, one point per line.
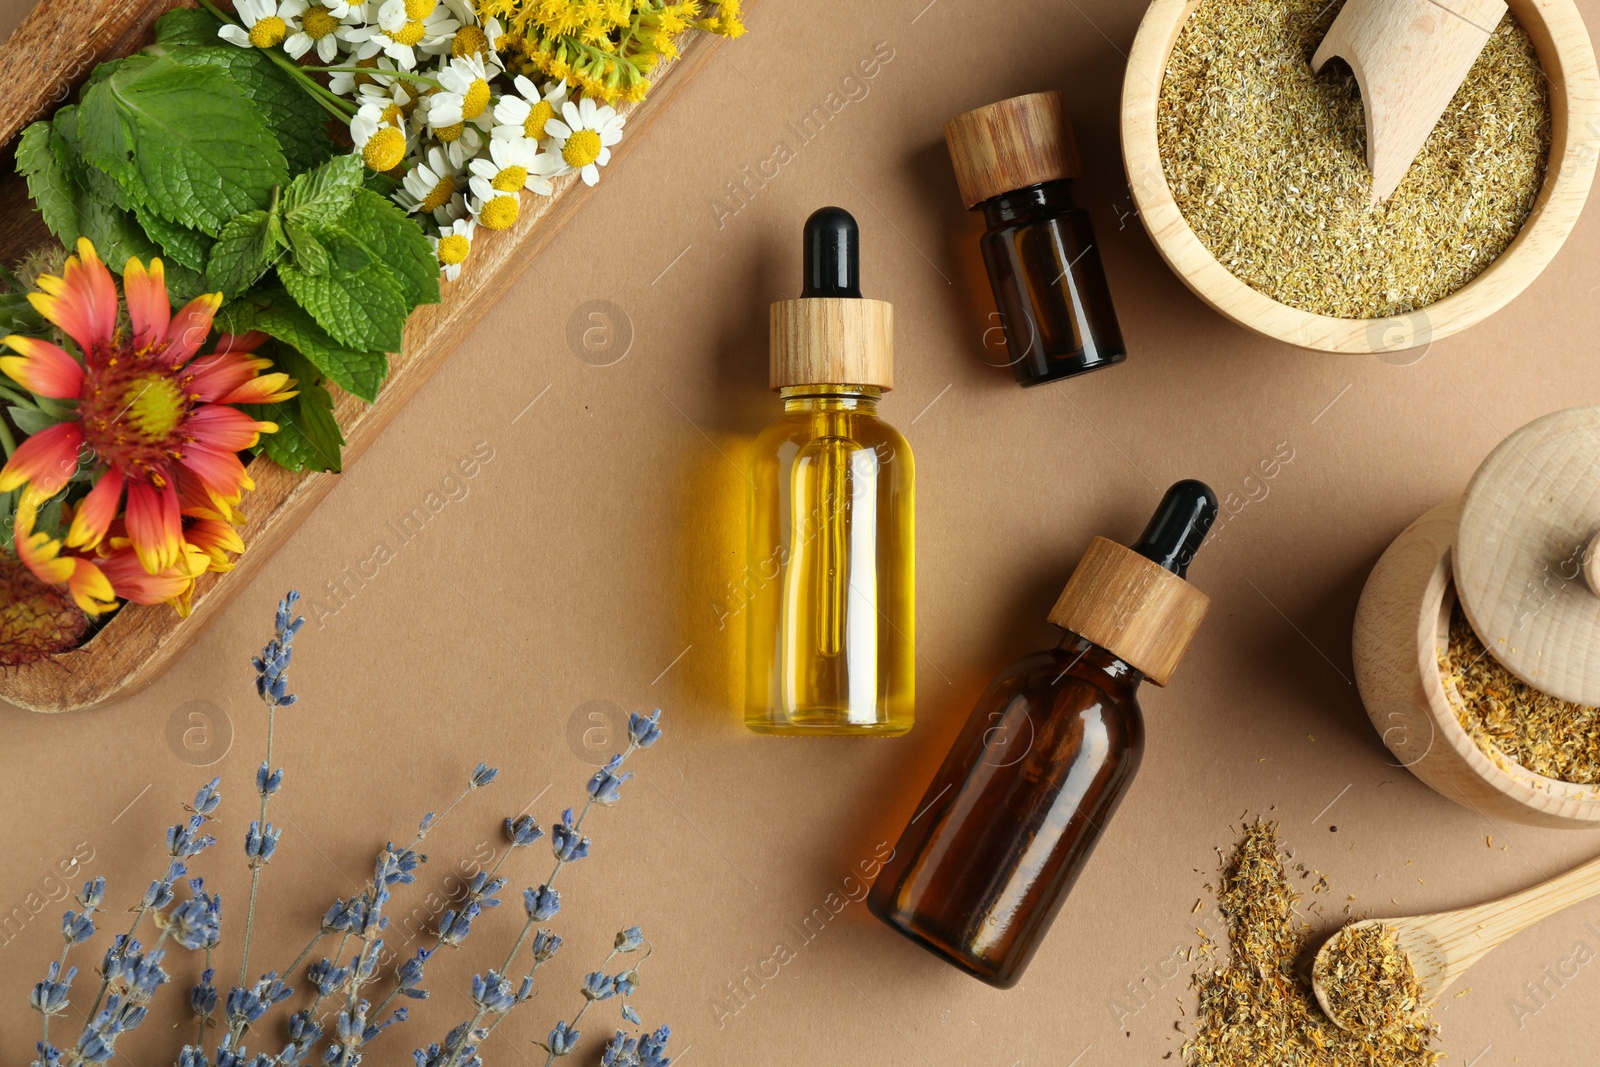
49 54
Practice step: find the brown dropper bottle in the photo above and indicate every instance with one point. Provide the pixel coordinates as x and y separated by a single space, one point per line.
1003 831
1016 160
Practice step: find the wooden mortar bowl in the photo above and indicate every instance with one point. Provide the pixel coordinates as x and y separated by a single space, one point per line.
1402 622
1568 58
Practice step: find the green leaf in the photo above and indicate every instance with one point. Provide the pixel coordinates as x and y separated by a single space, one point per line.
49 183
180 243
186 138
319 197
274 313
30 420
243 252
297 121
309 255
308 436
187 25
381 267
92 180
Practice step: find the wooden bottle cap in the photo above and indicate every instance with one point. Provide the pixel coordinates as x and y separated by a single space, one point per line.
1132 607
1524 547
832 340
1011 145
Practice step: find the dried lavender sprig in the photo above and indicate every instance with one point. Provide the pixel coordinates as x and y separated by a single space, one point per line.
569 845
598 986
272 685
51 996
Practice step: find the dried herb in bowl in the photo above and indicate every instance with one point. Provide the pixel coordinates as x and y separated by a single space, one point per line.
1257 1009
1267 162
1512 721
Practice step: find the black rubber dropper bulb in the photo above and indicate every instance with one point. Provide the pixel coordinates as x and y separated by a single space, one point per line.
1179 526
832 254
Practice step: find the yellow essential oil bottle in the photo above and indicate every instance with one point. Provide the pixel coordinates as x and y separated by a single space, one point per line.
831 561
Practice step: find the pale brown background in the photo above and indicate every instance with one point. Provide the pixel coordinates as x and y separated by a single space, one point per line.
591 560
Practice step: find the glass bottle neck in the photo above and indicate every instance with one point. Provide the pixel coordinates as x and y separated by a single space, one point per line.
859 399
1090 658
1029 204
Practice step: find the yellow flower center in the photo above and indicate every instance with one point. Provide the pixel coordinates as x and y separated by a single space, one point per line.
417 10
451 132
155 404
468 41
408 34
476 99
500 213
453 249
318 23
363 79
384 149
510 179
441 194
394 115
538 115
269 32
582 148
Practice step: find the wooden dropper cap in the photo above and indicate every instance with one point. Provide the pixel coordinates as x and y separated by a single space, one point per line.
1134 602
1011 145
832 335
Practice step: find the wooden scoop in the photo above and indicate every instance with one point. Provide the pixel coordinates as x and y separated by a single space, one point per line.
1442 946
1409 57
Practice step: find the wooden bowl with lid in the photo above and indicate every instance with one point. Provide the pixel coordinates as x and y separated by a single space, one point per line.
1513 551
1568 59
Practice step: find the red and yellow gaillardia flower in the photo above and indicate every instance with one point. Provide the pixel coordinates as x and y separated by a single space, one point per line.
154 423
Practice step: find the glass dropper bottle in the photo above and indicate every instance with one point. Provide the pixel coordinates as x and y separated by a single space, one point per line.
1007 824
831 556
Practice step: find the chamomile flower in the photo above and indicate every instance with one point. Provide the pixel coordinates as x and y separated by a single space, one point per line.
382 144
454 211
461 142
527 111
430 184
376 69
511 166
584 135
452 246
318 26
265 23
466 95
392 103
398 34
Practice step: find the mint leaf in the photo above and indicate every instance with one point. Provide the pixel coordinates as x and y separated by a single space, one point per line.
186 138
181 244
308 436
48 181
319 197
309 255
244 250
93 180
381 267
274 313
187 25
296 121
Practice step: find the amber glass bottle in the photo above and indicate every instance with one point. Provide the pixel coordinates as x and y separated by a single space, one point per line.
1016 161
1007 824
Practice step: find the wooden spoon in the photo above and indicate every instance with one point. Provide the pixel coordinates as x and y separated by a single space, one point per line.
1409 57
1442 946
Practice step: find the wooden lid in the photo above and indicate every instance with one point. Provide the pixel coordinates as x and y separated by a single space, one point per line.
832 340
1132 607
1011 145
1528 525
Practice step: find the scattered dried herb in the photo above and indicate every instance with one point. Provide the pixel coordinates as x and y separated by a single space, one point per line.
1367 980
1258 1009
1510 719
1268 163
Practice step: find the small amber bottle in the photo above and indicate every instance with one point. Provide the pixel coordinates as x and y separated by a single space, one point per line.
1017 160
832 556
1003 831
